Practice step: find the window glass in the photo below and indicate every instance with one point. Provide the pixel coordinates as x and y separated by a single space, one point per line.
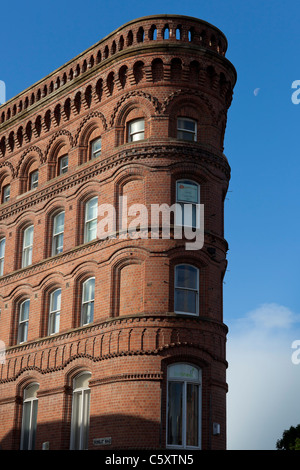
27 246
96 148
80 412
23 321
186 289
186 129
88 294
2 252
34 179
91 210
188 203
63 164
136 130
6 193
183 406
54 314
29 418
58 233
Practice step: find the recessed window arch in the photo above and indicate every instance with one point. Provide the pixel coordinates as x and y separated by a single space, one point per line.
184 383
29 417
187 203
87 301
29 175
80 419
186 289
5 187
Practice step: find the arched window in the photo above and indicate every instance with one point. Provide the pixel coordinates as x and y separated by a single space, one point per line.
27 246
54 312
29 417
58 233
187 203
2 252
90 223
23 321
87 301
184 406
80 412
186 289
136 130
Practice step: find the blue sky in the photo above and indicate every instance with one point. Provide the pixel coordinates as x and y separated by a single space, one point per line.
261 294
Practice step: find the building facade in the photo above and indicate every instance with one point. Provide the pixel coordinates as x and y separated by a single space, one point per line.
116 342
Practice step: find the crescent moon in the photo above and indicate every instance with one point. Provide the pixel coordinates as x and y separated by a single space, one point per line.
256 91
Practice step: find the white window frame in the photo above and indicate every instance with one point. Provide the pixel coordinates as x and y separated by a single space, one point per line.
186 207
86 302
80 419
63 167
95 153
181 288
54 314
138 134
23 323
184 380
88 222
57 248
6 193
34 179
32 401
187 131
27 249
2 254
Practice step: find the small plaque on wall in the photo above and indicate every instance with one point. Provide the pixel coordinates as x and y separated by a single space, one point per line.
102 441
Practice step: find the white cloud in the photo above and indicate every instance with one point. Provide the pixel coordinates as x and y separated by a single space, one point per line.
264 384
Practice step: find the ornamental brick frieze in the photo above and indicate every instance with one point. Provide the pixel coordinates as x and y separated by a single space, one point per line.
119 337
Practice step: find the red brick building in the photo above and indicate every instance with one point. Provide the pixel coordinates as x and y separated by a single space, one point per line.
116 342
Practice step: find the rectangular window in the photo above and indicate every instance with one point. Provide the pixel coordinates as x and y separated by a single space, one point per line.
27 246
54 312
186 129
95 148
186 289
6 193
23 321
136 130
63 164
58 233
91 211
2 252
188 204
88 294
80 420
34 179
